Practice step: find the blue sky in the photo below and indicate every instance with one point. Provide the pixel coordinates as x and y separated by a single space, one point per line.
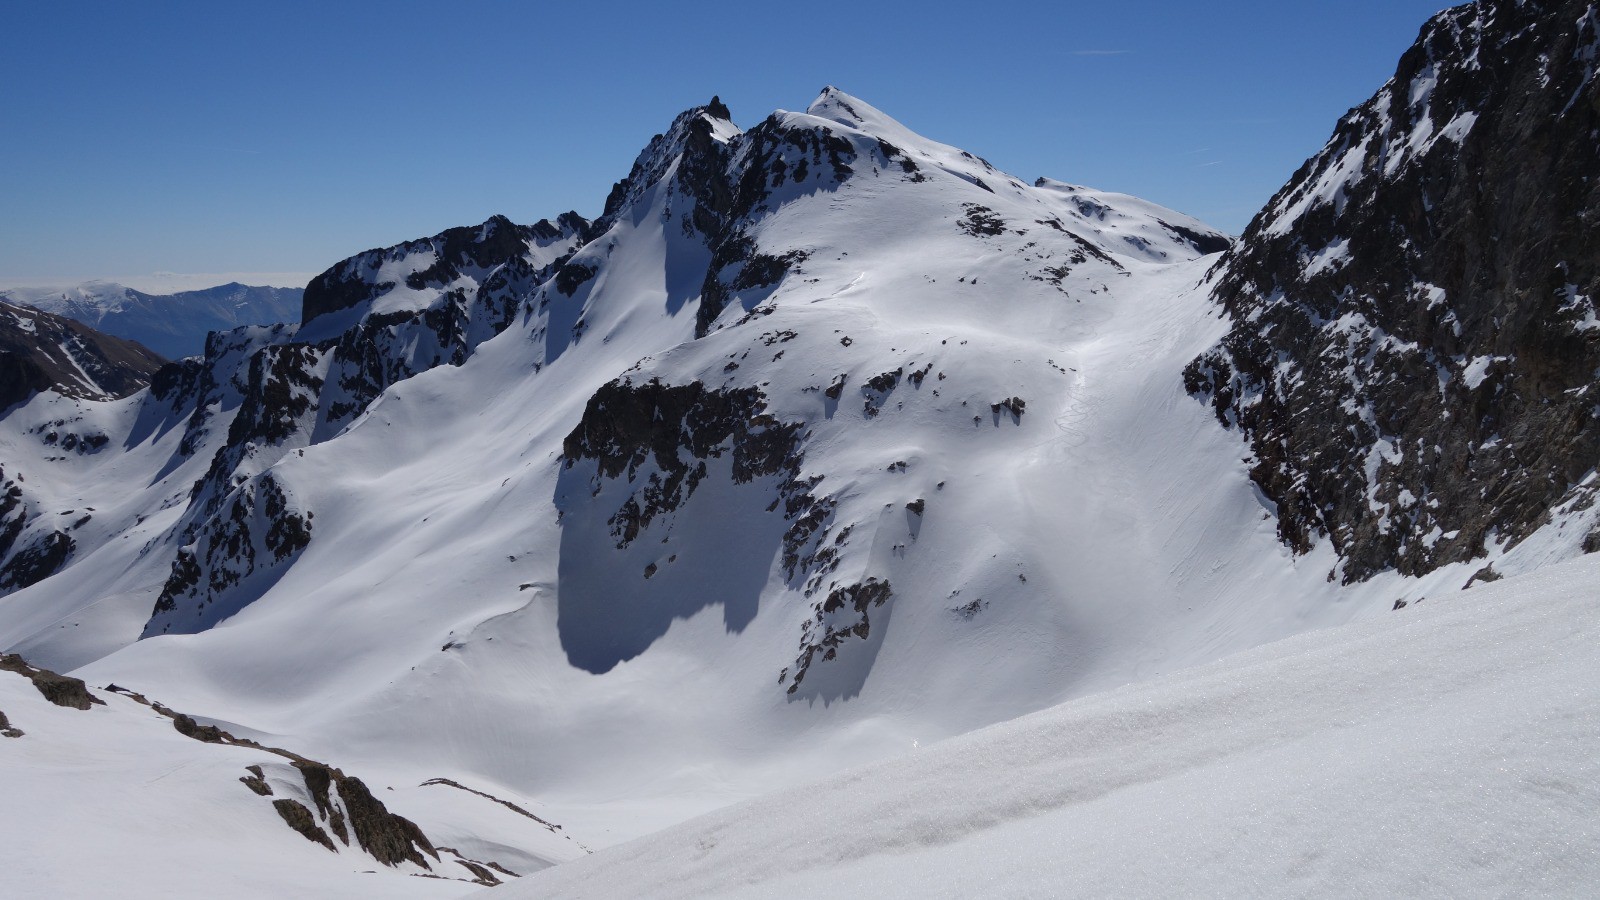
284 136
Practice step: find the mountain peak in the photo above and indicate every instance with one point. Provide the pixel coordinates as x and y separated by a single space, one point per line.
698 135
837 106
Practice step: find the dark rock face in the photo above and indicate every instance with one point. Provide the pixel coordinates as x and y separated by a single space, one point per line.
44 352
189 728
701 159
845 614
776 160
389 838
1414 341
36 561
632 468
480 276
7 729
256 781
647 449
299 819
281 385
625 425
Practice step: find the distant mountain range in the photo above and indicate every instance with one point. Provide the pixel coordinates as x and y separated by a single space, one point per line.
173 325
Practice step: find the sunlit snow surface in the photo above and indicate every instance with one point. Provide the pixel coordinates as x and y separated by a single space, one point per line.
1448 750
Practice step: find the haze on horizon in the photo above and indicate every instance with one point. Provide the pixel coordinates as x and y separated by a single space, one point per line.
278 140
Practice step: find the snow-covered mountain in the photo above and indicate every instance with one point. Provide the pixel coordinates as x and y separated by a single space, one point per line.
823 411
173 325
824 441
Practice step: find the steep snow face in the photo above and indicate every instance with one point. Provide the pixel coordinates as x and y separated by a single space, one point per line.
1410 353
1321 763
824 440
173 325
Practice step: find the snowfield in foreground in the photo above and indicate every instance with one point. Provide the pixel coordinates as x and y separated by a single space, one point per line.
1446 751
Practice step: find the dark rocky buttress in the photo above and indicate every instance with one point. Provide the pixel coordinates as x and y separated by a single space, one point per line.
1414 345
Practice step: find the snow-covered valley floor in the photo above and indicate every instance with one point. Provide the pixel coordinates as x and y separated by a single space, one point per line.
1449 750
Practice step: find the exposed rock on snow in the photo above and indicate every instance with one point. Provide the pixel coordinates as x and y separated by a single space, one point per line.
62 690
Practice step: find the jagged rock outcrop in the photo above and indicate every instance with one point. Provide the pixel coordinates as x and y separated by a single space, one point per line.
30 548
254 534
344 806
1415 338
845 614
626 426
44 352
432 263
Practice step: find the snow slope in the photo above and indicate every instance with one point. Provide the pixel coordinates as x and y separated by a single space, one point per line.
1445 751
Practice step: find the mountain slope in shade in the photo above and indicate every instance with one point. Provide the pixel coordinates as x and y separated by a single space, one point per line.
44 352
173 325
1447 751
1413 341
